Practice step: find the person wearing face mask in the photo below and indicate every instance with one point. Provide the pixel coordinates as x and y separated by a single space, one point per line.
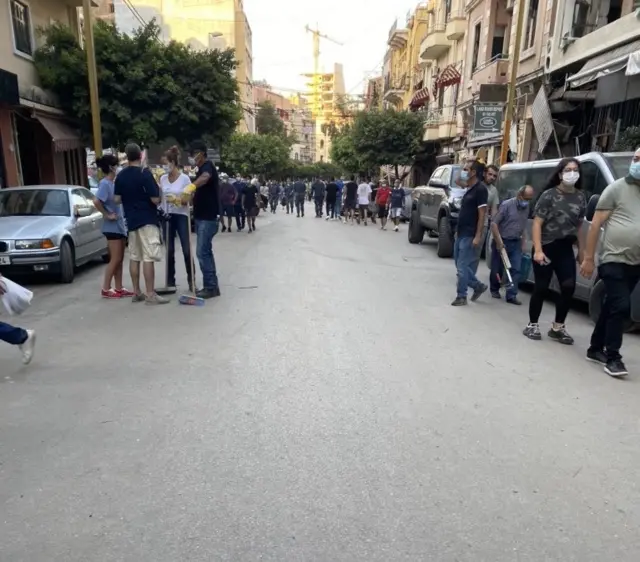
206 210
557 219
173 185
508 227
618 212
470 227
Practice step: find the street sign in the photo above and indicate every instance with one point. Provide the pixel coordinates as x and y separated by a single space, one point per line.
487 118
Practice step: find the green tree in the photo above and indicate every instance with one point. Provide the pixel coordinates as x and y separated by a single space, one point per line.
629 139
386 138
148 90
268 121
256 154
343 152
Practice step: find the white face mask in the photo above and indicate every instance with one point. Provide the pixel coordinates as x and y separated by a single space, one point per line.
570 178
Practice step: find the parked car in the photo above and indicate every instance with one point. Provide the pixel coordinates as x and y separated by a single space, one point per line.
435 208
49 229
408 200
597 170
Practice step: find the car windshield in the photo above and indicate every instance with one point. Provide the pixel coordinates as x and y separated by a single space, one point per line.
455 174
619 165
34 202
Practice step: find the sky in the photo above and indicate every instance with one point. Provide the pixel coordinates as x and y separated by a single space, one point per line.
283 50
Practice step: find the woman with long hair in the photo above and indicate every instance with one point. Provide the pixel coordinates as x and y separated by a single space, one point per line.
113 228
557 219
175 204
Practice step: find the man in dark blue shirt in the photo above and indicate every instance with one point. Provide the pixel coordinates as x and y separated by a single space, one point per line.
468 244
238 209
136 189
206 210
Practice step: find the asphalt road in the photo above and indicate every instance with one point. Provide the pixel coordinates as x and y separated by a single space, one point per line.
331 406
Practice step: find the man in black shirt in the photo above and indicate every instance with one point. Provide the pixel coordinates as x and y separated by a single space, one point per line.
468 244
350 199
299 190
332 193
206 210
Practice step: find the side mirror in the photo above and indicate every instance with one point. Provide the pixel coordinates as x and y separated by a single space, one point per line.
591 207
83 211
436 183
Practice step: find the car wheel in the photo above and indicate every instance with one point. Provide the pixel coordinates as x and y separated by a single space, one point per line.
596 299
67 264
415 232
445 238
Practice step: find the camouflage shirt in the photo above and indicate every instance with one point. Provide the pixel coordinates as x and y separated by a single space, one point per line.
562 214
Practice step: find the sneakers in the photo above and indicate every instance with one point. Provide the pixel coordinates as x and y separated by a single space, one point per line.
208 293
496 295
138 298
597 356
125 293
155 299
560 335
459 301
616 368
327 218
28 347
397 229
532 331
514 300
110 294
478 292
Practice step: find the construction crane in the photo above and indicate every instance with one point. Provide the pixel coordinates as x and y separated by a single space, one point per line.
316 93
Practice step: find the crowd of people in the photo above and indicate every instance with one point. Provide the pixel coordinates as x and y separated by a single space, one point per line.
558 248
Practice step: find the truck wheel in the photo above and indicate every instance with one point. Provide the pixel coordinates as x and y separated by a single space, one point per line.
596 298
415 232
445 238
67 265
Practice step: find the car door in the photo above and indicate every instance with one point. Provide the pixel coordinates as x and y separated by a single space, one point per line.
97 244
84 225
433 196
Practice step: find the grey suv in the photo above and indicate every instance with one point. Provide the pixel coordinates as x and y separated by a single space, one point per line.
435 208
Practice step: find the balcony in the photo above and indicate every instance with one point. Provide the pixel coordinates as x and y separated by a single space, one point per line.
398 38
435 44
447 127
494 71
456 25
433 118
394 90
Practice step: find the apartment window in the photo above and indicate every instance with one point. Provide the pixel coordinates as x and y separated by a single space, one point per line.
497 45
21 22
321 144
321 158
532 20
112 8
476 46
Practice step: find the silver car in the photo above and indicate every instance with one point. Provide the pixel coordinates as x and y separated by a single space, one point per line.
49 229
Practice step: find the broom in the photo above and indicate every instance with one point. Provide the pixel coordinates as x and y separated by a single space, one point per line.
190 297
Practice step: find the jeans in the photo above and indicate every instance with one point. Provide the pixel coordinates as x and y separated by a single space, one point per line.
514 252
619 281
178 224
300 205
318 201
289 206
206 230
331 209
338 207
12 335
466 258
241 217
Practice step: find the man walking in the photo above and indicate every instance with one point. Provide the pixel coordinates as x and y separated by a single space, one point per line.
206 210
25 340
300 191
618 211
397 203
228 200
137 191
331 197
468 244
364 198
288 195
382 202
238 209
508 227
350 199
274 196
318 191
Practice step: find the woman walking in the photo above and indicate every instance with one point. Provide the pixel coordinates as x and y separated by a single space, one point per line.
557 219
250 203
113 228
175 205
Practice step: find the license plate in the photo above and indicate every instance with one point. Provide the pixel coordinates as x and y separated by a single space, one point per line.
5 260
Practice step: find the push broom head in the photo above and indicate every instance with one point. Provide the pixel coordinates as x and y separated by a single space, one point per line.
191 300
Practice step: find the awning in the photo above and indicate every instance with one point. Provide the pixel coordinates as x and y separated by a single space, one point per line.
62 135
604 64
448 77
420 98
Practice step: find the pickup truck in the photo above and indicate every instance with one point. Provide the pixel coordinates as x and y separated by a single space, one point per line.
435 207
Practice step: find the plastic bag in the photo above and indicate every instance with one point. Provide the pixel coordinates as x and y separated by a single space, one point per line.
16 298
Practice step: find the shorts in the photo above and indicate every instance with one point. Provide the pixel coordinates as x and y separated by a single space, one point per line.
349 204
228 211
382 211
396 213
114 236
251 211
145 245
364 208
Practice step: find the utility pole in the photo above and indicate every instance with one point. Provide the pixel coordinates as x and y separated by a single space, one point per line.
93 76
512 85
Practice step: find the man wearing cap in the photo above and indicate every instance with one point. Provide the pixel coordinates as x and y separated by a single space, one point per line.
206 211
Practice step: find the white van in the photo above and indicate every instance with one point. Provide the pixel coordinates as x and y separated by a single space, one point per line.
597 170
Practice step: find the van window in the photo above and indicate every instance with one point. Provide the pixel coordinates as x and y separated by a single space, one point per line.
509 181
446 176
437 173
539 178
455 175
593 181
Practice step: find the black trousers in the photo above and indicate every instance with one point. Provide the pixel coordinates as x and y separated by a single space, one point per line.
318 201
620 279
240 216
331 208
300 205
563 264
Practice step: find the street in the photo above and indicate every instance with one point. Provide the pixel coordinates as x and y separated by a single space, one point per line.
331 406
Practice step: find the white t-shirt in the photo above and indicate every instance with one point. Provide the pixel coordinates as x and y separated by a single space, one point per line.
364 190
175 188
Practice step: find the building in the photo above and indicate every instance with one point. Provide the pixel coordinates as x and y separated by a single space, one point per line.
105 11
202 24
373 93
38 143
303 127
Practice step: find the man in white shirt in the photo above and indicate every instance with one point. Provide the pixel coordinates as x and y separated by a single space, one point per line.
364 198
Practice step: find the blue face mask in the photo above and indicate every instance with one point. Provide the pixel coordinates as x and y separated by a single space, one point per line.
634 170
523 204
464 175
